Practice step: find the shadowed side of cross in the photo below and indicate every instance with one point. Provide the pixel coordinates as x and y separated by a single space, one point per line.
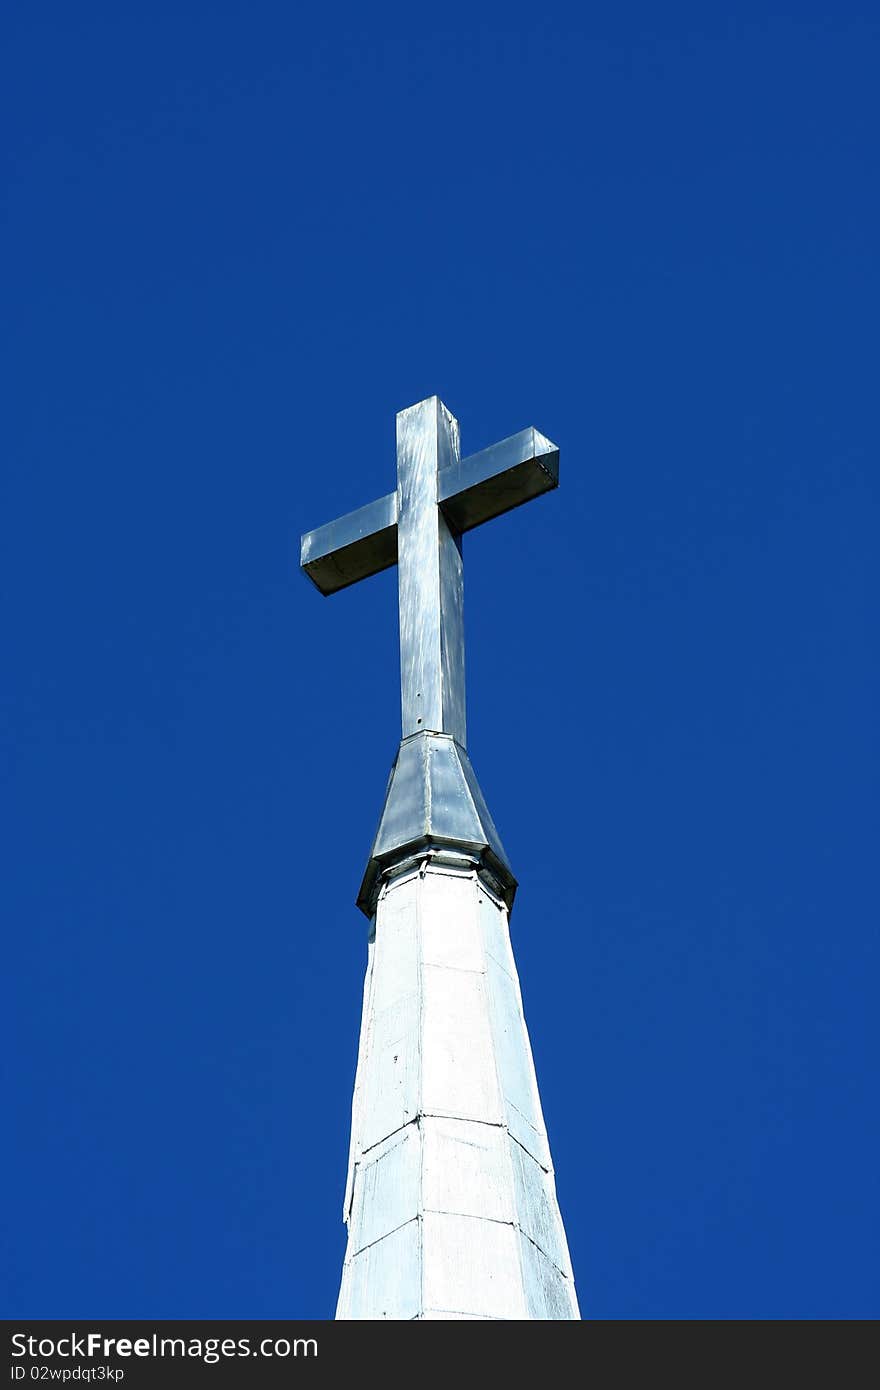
419 527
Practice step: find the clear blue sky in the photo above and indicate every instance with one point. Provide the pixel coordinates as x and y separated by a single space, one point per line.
238 238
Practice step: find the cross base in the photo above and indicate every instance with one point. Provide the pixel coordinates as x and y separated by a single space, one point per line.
434 801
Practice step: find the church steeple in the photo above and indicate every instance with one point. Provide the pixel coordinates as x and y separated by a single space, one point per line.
450 1200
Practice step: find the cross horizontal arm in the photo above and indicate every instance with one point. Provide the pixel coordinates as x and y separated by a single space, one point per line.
352 547
472 491
497 479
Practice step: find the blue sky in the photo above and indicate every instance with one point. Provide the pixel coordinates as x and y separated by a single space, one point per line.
238 239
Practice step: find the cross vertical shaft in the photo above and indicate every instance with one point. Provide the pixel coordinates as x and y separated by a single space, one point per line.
430 576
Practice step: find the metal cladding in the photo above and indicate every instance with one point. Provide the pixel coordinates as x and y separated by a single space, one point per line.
434 801
419 527
433 797
469 491
430 576
498 479
450 1200
353 547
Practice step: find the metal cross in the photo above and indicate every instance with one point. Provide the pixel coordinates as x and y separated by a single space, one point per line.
419 528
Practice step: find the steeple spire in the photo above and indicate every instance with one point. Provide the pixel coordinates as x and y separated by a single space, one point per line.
450 1200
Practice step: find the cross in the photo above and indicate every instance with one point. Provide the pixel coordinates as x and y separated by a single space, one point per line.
439 496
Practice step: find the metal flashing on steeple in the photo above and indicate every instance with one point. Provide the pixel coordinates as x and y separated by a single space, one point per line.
434 801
